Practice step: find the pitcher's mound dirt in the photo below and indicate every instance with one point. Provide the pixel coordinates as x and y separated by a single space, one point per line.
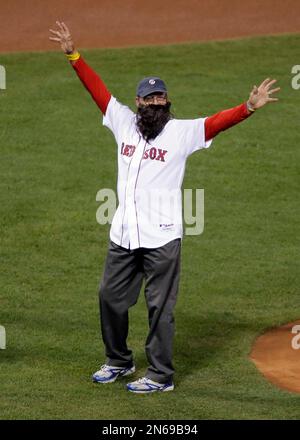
276 355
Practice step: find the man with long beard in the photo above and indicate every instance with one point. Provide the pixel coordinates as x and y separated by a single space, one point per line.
146 231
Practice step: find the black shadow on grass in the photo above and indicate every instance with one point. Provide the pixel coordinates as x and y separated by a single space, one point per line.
202 341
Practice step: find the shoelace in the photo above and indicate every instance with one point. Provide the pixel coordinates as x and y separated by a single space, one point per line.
106 367
142 380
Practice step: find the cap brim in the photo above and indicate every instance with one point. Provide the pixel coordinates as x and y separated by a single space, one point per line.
154 90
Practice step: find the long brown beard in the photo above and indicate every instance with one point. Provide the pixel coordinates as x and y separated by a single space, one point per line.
152 118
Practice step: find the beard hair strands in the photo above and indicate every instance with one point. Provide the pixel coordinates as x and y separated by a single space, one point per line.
152 118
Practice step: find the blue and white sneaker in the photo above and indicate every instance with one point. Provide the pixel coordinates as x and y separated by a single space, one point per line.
145 385
108 373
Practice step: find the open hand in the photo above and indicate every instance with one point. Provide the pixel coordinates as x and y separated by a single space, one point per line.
260 96
63 36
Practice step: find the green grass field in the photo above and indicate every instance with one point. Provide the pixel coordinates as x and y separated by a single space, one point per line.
240 277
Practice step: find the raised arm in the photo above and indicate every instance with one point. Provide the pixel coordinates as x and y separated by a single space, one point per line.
91 81
225 119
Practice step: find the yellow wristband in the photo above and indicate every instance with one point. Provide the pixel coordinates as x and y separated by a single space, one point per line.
73 56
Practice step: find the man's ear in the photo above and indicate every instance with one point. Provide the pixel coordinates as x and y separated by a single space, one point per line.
137 100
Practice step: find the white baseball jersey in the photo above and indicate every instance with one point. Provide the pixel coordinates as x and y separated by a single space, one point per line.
150 176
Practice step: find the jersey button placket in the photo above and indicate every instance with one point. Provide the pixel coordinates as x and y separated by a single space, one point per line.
131 208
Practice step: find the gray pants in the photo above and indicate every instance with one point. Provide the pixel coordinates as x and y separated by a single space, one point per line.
120 288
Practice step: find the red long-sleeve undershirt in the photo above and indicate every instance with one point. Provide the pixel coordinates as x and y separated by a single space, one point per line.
213 124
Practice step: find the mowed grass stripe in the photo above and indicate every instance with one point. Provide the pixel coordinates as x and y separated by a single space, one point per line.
239 277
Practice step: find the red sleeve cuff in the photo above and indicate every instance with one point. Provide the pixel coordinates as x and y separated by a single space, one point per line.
225 119
93 83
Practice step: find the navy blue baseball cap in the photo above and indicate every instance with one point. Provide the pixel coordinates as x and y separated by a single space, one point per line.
150 85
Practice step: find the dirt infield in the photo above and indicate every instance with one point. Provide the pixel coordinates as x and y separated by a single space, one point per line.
119 23
277 355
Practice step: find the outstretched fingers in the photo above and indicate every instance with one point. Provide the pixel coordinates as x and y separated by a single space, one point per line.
265 82
270 83
59 24
56 33
57 37
270 92
65 27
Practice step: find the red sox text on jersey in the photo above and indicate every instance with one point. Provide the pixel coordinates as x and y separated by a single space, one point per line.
151 153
